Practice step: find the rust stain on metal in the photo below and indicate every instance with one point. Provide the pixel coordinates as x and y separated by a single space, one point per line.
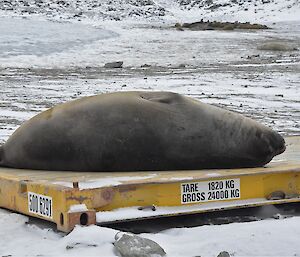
75 219
107 194
79 199
23 187
127 188
103 197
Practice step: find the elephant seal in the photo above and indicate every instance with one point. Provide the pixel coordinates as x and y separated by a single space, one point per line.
137 131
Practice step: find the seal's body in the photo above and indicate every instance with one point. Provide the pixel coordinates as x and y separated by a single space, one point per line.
135 131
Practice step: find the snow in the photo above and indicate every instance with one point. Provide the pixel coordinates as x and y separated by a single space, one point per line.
134 212
77 208
18 35
103 182
212 174
260 238
21 239
243 10
179 10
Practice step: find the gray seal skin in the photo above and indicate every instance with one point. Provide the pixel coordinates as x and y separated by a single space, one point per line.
137 131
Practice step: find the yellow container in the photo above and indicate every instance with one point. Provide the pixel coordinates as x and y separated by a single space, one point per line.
70 198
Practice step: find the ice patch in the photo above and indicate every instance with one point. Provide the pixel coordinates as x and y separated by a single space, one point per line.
77 208
213 174
27 40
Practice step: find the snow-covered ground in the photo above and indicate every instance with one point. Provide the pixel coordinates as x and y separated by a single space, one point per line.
223 68
54 51
259 238
262 10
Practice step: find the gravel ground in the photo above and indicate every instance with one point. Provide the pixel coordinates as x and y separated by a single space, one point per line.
221 68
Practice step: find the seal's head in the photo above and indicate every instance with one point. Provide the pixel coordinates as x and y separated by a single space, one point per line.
276 143
268 144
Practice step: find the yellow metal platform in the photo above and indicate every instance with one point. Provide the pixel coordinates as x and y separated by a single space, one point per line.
70 198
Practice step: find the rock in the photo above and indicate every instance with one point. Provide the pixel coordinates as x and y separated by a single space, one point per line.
79 245
114 64
223 254
228 27
276 46
145 65
215 25
276 195
179 27
129 245
278 216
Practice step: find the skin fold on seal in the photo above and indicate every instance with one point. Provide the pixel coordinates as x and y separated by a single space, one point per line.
137 131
